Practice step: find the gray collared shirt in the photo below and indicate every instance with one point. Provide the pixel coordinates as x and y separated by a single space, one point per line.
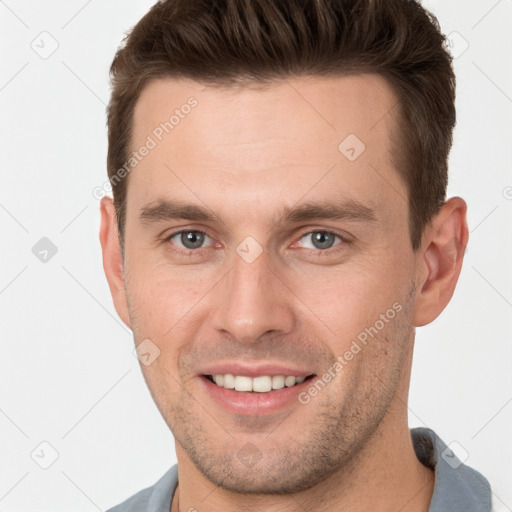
457 488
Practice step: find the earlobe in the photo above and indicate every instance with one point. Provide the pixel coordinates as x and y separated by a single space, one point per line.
440 260
112 258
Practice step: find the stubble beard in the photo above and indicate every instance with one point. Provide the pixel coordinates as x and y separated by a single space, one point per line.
328 443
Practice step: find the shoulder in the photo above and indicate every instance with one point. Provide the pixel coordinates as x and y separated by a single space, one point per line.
137 502
156 498
457 487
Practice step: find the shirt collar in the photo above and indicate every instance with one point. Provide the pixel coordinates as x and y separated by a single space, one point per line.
457 487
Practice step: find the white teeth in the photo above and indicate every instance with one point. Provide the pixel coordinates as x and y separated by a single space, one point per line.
278 382
243 383
260 384
229 381
289 381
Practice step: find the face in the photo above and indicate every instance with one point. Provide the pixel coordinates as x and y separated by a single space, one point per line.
267 244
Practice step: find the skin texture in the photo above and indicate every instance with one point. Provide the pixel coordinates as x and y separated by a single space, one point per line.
246 154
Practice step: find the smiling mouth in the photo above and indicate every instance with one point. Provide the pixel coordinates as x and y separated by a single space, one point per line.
260 384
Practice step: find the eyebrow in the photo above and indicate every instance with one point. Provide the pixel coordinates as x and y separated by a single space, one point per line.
349 209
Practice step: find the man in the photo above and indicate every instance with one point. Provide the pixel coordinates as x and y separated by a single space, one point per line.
279 229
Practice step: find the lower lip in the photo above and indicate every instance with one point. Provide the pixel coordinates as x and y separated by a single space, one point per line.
250 403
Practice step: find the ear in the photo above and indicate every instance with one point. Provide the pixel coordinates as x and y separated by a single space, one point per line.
112 258
440 260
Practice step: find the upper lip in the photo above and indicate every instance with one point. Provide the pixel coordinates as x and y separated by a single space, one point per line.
255 369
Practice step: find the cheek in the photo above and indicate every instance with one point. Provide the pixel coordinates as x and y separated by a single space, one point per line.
166 311
352 298
161 297
162 381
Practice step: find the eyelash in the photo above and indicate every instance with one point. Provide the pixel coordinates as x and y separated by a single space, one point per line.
193 252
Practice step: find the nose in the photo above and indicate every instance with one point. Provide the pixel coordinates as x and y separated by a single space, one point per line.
253 301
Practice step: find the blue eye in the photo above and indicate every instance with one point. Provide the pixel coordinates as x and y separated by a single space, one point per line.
322 240
190 242
189 239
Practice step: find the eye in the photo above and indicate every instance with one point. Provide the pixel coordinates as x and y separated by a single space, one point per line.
321 240
191 241
188 239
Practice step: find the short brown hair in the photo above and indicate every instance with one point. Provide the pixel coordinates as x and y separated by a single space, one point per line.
251 42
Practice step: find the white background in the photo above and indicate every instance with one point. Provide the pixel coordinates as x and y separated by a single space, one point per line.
68 373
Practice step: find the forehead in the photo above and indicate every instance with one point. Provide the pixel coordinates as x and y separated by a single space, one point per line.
295 137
